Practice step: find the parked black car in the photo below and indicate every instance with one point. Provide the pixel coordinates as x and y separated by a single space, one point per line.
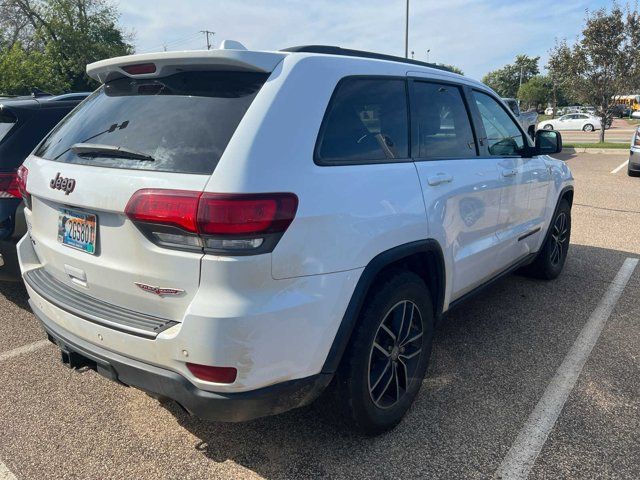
621 111
24 121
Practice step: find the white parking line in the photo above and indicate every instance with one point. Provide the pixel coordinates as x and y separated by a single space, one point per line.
529 442
31 347
620 167
5 474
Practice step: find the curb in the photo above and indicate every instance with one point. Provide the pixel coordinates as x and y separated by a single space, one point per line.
601 151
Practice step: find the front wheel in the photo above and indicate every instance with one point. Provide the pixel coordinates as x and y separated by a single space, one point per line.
587 128
388 354
553 254
548 127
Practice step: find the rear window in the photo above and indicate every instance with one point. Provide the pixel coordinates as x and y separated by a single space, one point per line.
181 123
7 122
366 122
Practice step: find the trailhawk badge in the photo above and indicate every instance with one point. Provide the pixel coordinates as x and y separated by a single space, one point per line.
159 290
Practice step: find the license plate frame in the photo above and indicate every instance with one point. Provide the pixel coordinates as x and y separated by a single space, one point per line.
84 219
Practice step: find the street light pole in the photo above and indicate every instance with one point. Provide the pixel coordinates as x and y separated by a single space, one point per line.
406 32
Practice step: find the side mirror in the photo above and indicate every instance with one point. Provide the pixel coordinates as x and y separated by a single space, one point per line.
548 142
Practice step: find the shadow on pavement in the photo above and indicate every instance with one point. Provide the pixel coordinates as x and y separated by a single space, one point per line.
15 292
492 360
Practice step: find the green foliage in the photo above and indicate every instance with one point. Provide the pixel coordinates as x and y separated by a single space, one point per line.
603 63
451 68
55 41
506 80
23 70
536 91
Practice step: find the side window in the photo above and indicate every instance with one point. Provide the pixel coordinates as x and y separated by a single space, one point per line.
503 135
441 122
366 121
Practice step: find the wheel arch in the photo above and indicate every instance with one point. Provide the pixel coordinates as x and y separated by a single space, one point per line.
423 257
565 194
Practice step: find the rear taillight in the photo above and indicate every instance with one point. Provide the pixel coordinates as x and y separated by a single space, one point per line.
213 374
9 185
22 175
237 224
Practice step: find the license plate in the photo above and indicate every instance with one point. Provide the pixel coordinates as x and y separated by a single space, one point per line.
77 230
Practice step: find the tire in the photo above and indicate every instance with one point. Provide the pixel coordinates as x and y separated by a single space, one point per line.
631 173
548 127
369 381
553 254
588 128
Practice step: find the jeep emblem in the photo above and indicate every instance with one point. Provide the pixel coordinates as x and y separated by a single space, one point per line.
65 184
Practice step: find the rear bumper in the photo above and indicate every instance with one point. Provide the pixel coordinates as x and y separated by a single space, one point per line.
224 407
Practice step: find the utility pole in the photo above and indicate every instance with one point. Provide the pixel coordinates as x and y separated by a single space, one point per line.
207 33
428 51
406 33
521 67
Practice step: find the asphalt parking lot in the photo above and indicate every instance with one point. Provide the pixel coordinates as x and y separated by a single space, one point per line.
493 361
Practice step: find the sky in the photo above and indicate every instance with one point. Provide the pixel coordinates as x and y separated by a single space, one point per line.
475 35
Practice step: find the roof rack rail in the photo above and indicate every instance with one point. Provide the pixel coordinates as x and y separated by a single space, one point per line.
347 52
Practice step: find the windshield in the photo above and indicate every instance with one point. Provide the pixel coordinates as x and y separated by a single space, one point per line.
184 121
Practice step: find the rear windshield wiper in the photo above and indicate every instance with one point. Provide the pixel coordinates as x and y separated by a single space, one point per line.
99 150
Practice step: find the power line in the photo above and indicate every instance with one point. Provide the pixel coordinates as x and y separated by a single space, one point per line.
174 43
207 33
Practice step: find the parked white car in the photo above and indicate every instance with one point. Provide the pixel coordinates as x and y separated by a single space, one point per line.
572 121
236 230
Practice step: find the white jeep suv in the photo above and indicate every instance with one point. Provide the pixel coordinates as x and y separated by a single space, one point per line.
237 230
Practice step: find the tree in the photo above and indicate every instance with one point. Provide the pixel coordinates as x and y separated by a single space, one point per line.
22 70
451 68
603 63
536 91
507 80
65 34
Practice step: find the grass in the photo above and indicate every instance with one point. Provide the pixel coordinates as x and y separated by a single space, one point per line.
621 146
542 118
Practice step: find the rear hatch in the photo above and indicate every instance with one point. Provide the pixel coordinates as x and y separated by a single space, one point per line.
158 132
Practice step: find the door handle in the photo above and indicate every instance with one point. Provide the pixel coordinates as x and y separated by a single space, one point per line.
439 178
511 172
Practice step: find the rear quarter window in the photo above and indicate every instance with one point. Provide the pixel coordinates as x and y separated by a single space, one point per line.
7 121
183 122
366 122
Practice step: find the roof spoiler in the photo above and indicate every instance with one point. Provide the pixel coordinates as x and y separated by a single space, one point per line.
161 64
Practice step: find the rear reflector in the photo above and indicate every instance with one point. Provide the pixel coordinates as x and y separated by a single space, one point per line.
140 69
213 374
9 187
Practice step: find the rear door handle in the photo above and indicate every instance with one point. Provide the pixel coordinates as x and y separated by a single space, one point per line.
439 178
511 172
